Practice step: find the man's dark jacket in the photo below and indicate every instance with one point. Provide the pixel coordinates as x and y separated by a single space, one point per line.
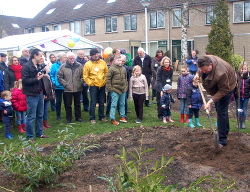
146 67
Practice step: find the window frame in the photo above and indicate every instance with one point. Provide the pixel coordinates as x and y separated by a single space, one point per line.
173 16
111 24
208 20
30 30
73 27
91 23
130 22
46 28
156 26
243 15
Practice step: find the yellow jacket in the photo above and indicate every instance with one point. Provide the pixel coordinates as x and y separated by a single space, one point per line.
95 72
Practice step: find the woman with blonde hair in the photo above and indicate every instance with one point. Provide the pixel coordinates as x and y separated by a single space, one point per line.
164 76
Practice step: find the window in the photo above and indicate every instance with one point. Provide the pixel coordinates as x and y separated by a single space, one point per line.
111 1
76 27
209 14
30 30
45 28
157 19
78 6
15 25
50 11
89 26
111 24
241 11
130 22
57 27
177 18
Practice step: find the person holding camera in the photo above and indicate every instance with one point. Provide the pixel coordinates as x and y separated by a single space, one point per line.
32 88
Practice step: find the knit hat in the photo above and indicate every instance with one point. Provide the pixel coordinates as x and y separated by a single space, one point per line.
167 87
3 55
93 51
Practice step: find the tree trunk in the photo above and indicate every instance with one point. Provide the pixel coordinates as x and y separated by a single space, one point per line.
184 24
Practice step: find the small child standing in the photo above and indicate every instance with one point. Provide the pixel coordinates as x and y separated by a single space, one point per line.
20 105
117 85
194 101
184 81
165 102
7 110
138 90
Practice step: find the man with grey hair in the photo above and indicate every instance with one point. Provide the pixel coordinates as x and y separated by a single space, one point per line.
70 76
25 56
85 87
144 61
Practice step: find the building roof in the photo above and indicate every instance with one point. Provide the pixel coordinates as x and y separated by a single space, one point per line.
64 9
13 25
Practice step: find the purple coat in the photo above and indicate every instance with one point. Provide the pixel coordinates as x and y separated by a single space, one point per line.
184 81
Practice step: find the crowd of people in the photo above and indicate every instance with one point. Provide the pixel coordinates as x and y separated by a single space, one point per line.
30 83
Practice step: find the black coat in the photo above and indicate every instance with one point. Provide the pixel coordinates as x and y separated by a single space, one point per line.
9 78
163 78
3 66
31 85
246 79
23 60
146 67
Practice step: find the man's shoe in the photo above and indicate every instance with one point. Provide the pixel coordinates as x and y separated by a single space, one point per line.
123 119
114 122
79 120
44 136
92 121
104 120
138 121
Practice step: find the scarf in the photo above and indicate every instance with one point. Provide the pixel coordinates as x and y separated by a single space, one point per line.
166 69
17 71
158 58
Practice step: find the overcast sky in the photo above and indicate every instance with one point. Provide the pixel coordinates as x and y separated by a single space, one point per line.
22 8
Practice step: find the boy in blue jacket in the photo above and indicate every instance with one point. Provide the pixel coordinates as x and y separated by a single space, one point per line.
7 110
194 101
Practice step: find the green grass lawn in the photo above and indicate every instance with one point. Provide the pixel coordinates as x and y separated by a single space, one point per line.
80 129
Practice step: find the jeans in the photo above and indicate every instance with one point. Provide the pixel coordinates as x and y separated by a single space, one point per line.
53 105
7 122
138 103
59 95
243 105
222 117
45 110
183 106
35 114
68 104
97 94
115 97
108 104
20 117
85 100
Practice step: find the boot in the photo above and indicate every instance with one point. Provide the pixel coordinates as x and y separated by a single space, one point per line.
45 123
44 127
187 121
182 118
20 129
24 127
164 120
170 120
197 121
191 123
243 126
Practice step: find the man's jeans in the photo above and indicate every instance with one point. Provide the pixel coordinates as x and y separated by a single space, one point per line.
35 115
96 94
114 100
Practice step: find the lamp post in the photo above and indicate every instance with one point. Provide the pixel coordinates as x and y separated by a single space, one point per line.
145 4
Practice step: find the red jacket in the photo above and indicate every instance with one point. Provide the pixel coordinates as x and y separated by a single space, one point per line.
19 100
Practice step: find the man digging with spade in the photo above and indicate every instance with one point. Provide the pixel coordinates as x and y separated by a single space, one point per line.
219 80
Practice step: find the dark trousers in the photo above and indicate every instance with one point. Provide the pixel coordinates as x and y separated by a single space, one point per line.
138 103
68 104
222 117
85 99
158 98
97 94
166 112
193 111
59 96
7 122
148 81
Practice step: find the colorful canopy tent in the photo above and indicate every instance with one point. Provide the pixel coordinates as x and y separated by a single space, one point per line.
47 41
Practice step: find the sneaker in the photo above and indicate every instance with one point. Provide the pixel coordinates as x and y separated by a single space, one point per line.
123 119
221 146
114 122
138 121
44 136
8 136
104 120
79 120
92 121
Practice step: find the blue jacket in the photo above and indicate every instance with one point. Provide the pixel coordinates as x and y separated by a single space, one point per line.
194 97
53 75
166 99
190 63
1 82
6 105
